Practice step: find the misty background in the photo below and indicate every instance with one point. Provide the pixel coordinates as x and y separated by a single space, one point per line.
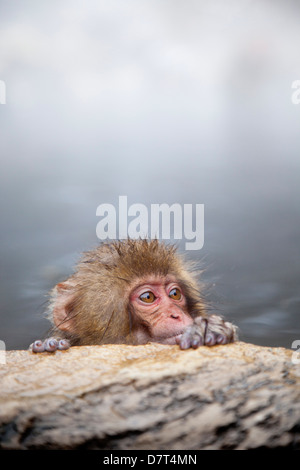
164 101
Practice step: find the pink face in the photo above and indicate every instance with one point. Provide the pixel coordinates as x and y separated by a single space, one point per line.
160 310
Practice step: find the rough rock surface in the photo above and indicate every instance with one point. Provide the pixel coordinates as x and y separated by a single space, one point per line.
237 396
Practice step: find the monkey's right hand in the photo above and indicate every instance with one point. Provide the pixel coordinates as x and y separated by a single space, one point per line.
49 345
207 331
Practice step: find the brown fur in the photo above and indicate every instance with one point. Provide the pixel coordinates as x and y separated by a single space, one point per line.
96 296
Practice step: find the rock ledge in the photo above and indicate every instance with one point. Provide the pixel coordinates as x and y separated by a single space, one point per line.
157 397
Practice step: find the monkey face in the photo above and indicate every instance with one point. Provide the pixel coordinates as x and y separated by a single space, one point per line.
159 310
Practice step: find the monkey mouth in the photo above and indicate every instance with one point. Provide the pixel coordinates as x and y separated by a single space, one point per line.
170 339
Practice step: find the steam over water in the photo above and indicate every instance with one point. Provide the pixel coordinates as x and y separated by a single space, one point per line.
164 102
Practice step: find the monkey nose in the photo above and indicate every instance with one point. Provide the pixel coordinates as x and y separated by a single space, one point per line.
174 315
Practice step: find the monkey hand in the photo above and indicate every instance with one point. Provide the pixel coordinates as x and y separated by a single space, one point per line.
207 332
49 345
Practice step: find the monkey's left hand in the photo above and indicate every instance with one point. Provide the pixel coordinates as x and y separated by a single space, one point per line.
49 345
207 331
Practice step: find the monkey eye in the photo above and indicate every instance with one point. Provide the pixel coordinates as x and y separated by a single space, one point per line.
175 294
147 297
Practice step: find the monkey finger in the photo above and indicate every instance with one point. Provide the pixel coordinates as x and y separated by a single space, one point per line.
177 339
221 339
63 344
210 339
197 341
190 339
51 344
185 341
37 346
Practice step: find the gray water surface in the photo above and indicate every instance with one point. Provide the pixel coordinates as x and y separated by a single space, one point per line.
175 102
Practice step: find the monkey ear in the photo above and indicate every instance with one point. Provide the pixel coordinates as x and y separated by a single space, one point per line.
63 298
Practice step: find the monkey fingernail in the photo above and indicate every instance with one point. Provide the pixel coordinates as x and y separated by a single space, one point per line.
196 342
221 339
210 339
38 346
51 345
185 343
63 344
